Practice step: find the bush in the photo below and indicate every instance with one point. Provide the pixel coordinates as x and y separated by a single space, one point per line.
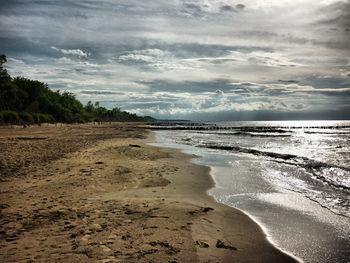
26 117
9 116
41 118
87 117
36 117
46 118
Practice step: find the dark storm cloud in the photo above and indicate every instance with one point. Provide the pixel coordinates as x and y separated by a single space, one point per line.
52 9
326 82
240 6
39 43
17 45
189 86
6 4
337 43
288 81
344 95
230 8
146 105
227 8
340 15
193 7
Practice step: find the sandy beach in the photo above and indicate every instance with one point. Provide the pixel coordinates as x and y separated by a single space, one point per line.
100 193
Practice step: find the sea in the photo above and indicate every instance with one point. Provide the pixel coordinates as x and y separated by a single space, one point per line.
290 177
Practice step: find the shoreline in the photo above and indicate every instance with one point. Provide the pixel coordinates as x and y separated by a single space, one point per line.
113 202
210 177
292 222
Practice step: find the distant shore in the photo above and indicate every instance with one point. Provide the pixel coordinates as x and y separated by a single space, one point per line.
99 193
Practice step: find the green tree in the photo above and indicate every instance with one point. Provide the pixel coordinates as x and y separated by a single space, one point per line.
89 107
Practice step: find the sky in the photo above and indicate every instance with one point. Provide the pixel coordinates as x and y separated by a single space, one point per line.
195 59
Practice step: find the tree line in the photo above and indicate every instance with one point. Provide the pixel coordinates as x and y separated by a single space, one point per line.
25 101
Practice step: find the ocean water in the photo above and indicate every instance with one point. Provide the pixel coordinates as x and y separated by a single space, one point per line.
293 178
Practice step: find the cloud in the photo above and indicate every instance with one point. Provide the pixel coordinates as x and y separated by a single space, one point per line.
75 52
288 81
136 57
270 59
99 92
15 61
230 8
147 55
227 8
240 6
155 59
193 7
338 15
216 60
185 58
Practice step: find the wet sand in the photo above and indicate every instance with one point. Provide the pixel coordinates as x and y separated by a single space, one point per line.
99 193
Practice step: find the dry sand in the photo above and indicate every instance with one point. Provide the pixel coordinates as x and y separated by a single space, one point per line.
99 193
